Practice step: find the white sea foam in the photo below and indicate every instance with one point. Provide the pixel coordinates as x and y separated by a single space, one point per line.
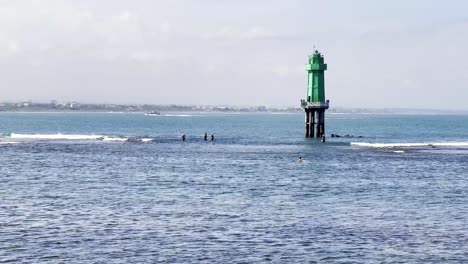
179 115
72 137
120 139
451 144
409 145
56 136
9 143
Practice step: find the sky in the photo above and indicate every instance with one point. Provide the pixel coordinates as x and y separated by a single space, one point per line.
380 54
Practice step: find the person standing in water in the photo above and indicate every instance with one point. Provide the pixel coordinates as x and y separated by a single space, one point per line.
206 136
212 136
183 137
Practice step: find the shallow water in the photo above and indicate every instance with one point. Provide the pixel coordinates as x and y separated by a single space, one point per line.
243 198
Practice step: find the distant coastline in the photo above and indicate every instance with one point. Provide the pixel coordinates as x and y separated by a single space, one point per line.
55 107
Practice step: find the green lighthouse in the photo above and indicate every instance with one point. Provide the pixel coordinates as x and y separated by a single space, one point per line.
315 104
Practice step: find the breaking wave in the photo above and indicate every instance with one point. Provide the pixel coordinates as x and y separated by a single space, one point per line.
9 143
55 136
60 136
409 145
179 115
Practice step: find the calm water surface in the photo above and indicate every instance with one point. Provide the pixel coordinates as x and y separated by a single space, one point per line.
73 190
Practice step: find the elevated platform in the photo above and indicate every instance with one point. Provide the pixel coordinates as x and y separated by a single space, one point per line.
315 105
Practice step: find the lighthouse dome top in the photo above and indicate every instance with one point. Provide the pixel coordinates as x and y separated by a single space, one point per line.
316 58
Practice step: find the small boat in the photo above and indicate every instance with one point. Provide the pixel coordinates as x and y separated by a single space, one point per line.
153 113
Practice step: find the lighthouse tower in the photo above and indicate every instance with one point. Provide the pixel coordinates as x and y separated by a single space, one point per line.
315 104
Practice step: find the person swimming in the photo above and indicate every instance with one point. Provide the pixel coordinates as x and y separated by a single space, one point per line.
300 159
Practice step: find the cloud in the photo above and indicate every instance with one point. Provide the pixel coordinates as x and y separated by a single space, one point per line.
13 47
165 27
159 47
125 20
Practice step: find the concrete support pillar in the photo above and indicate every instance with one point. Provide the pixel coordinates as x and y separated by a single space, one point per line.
317 124
312 123
323 124
320 124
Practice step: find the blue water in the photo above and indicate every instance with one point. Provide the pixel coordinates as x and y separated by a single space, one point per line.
243 198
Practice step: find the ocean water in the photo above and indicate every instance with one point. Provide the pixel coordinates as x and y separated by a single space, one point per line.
124 188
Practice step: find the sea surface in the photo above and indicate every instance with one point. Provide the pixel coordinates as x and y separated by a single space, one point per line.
124 188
